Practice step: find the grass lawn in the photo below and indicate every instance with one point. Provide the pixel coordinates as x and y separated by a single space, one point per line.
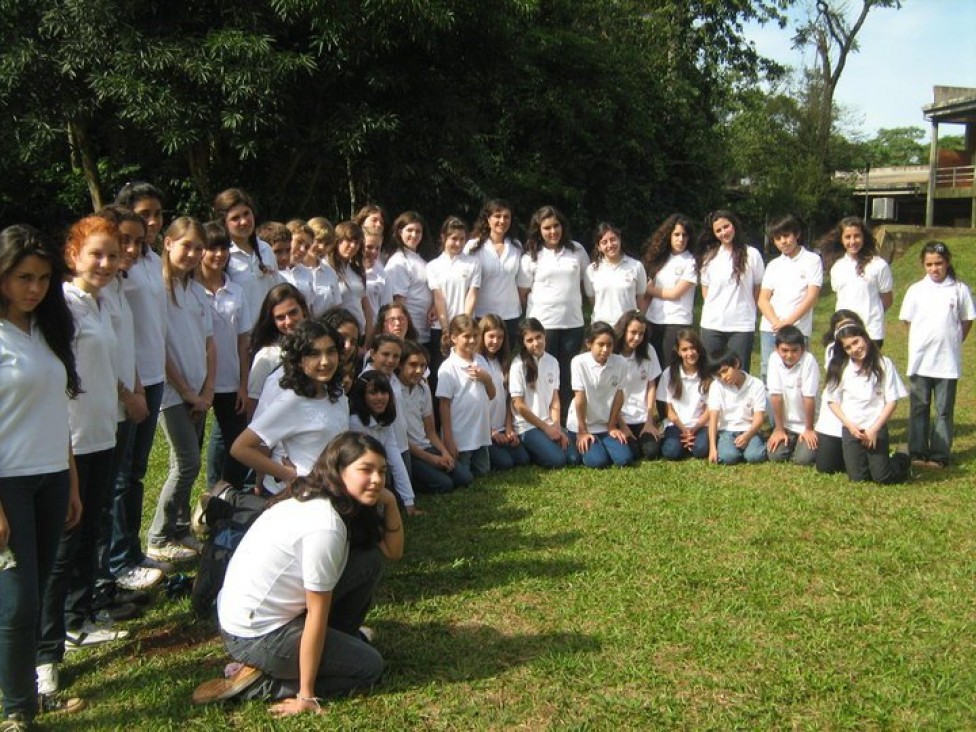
666 595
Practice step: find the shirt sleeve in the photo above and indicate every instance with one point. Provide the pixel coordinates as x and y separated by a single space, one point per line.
475 273
526 273
894 389
516 378
576 371
588 281
323 558
886 282
447 383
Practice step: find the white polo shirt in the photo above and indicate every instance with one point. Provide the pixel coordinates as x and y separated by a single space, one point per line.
827 422
936 312
292 547
352 290
679 268
691 405
33 404
470 425
499 273
114 299
639 376
862 397
377 289
394 460
730 306
538 398
93 414
228 310
146 294
417 406
301 277
300 428
600 384
454 276
554 281
245 270
862 293
326 286
737 406
189 323
406 273
789 278
614 288
794 385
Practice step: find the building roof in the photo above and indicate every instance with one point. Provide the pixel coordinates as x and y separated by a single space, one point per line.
953 104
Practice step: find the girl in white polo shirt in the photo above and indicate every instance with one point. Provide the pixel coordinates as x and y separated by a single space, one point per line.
640 387
252 261
684 388
863 390
939 311
465 390
859 276
281 312
406 273
730 273
92 255
551 284
594 423
671 282
231 339
790 287
506 449
191 364
533 382
493 245
310 410
614 281
37 378
345 256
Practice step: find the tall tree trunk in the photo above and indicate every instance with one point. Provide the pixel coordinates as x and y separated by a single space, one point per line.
84 156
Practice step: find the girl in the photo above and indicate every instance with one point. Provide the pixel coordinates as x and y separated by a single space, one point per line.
594 422
406 272
39 497
671 283
395 319
345 256
231 337
506 450
863 390
614 281
308 413
939 311
325 283
377 288
861 278
281 312
372 410
551 286
190 370
730 273
454 279
300 237
684 385
632 336
790 287
830 451
92 255
433 468
300 583
533 382
372 219
465 390
347 326
499 253
145 294
252 262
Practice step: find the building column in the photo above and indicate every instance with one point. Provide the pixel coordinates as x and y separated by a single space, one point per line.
933 167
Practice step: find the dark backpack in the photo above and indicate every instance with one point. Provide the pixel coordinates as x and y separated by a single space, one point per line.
228 515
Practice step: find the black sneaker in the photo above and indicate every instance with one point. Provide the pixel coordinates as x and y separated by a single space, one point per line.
111 613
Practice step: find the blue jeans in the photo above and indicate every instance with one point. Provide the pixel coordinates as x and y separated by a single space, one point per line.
427 478
68 595
729 454
717 341
672 449
477 461
564 344
931 439
506 457
543 451
35 507
348 663
224 429
124 549
184 432
604 451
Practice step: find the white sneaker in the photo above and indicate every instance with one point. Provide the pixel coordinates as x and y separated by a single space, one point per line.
139 578
47 678
92 634
170 552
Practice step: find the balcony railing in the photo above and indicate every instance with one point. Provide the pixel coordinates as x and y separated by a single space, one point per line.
958 177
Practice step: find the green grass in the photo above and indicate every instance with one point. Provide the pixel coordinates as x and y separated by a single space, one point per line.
662 596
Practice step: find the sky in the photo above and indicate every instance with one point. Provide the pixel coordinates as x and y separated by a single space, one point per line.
903 54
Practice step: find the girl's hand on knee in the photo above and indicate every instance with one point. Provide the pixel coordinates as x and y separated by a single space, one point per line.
620 436
583 441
